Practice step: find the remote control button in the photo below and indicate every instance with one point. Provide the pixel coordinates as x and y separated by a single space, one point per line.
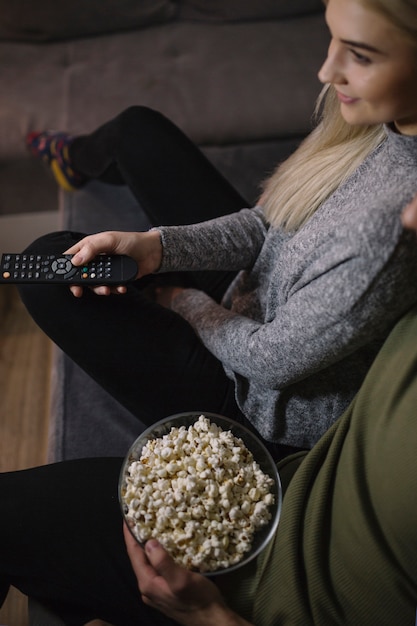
6 274
61 266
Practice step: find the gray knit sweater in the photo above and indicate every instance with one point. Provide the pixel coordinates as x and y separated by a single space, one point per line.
308 311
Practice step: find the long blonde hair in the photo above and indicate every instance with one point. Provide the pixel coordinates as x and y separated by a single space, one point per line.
324 160
334 149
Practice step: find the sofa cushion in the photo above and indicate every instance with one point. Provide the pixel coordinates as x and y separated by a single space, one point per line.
48 20
221 83
241 10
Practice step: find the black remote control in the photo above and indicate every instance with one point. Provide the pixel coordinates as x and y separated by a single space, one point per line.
51 268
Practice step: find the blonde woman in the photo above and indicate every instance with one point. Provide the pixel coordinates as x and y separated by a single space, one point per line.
323 287
306 285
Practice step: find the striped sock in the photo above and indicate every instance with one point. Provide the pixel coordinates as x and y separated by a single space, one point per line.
52 148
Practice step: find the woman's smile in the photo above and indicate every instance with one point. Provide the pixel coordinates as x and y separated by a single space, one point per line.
346 99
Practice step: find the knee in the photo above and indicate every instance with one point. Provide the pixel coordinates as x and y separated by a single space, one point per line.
141 119
53 243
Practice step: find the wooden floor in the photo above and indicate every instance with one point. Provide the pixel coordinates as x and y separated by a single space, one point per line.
25 365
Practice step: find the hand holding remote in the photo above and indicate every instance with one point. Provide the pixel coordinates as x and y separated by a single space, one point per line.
32 268
144 247
104 262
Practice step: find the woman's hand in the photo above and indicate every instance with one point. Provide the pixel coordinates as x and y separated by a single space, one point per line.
184 596
145 248
165 295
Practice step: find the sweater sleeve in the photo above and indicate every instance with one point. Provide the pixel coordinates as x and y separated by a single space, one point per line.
342 302
230 242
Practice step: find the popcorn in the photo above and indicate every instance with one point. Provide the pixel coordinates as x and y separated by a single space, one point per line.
199 491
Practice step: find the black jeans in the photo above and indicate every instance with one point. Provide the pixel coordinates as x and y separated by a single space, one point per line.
61 542
167 173
146 356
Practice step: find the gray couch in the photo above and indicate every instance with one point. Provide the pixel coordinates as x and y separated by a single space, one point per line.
238 76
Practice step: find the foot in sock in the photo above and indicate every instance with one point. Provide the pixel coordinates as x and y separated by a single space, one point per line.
52 148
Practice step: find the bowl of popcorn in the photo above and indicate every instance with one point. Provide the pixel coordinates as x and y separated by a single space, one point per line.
205 487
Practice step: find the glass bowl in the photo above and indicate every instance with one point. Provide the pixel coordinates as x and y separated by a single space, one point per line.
261 455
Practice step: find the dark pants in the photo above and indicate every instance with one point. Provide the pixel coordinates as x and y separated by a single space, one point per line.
146 356
61 542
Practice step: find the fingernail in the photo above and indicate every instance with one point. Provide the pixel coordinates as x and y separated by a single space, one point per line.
151 545
77 258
